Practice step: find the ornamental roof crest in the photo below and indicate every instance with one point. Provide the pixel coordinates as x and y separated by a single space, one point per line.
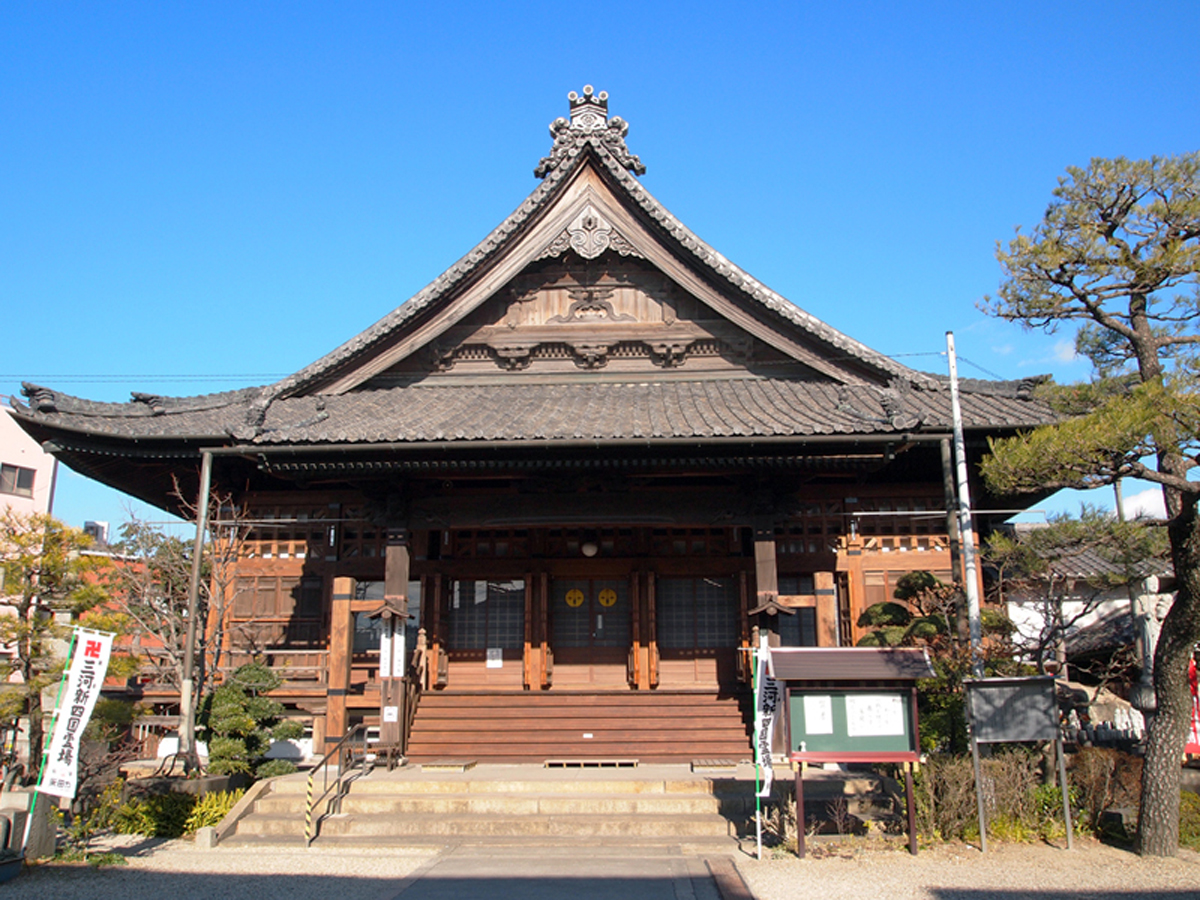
589 124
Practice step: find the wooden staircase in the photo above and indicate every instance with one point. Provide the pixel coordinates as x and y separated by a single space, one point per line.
577 726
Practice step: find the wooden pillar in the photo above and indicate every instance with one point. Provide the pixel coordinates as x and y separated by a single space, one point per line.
637 676
395 594
827 609
341 650
766 576
852 565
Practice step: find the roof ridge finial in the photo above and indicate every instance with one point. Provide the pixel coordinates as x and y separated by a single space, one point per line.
589 110
589 124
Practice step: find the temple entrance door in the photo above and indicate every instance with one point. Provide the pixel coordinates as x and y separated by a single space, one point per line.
590 632
697 631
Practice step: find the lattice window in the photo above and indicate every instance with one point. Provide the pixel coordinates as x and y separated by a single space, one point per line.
609 542
799 630
367 631
490 544
360 539
696 613
816 530
794 585
900 515
288 533
487 614
692 541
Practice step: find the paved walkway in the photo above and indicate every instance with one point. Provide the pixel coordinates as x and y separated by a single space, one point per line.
175 870
497 875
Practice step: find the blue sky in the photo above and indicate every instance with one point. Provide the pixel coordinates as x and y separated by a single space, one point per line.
202 196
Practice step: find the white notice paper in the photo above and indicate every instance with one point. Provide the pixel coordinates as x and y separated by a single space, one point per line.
385 651
874 715
391 714
818 714
495 658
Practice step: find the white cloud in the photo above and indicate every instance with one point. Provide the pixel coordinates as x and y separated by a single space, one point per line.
1145 503
1064 351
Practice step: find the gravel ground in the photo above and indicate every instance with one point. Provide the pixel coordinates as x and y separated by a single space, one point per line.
959 872
176 870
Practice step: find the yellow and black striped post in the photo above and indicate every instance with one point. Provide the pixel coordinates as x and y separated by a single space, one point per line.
308 814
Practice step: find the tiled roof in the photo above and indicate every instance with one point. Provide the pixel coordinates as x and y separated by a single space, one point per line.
1102 636
850 663
513 411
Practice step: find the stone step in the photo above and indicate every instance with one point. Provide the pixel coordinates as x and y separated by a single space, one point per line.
431 825
519 804
567 785
570 845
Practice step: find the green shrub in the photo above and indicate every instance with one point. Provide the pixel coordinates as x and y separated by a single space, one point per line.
172 815
274 767
1103 779
1019 808
945 799
210 809
242 722
884 614
228 756
1189 820
158 815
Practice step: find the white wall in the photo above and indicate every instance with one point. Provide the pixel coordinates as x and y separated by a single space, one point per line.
19 449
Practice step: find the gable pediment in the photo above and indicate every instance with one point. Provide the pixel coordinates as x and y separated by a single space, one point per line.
568 313
591 270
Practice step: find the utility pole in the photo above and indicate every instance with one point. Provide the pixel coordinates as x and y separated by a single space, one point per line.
966 526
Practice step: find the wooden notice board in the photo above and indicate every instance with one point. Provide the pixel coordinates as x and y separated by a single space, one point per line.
864 725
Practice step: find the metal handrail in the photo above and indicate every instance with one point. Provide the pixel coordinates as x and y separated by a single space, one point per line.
342 750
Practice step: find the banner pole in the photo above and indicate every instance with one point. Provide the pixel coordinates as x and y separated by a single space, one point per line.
48 736
756 685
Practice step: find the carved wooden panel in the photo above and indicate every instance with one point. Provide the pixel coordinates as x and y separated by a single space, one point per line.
611 312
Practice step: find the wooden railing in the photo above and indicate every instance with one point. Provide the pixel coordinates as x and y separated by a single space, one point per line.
294 666
416 680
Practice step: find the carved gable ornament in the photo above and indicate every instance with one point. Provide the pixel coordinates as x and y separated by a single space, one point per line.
589 235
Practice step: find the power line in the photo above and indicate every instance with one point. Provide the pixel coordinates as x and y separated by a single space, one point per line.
112 378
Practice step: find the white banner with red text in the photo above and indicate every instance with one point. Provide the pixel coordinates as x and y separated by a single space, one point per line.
88 665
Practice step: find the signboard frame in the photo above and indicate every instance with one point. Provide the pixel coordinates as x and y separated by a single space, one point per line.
834 745
904 748
1014 710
